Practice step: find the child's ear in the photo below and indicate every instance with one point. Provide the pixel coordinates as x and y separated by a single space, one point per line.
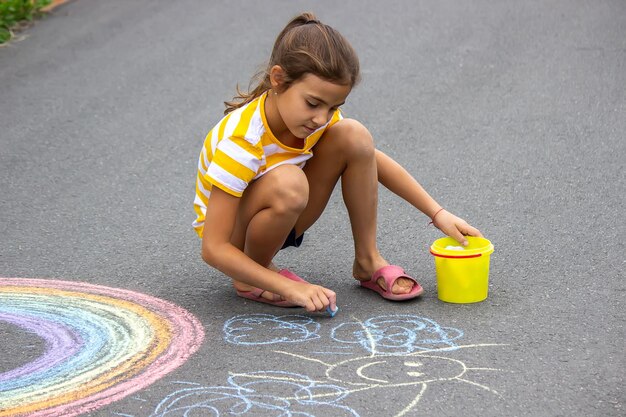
277 77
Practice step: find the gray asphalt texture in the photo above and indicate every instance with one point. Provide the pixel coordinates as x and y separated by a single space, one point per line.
511 114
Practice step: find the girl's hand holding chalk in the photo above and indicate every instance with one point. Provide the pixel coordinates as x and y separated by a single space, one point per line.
331 312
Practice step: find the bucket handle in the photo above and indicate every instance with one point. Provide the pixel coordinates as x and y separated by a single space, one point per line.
455 256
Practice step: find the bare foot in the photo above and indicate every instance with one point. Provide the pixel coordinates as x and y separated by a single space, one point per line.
243 287
400 286
362 272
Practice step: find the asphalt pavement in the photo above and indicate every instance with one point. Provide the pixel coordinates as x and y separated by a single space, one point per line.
511 114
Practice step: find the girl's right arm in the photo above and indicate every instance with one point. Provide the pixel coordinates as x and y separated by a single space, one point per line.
219 252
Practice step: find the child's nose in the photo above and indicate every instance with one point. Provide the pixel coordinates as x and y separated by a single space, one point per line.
319 118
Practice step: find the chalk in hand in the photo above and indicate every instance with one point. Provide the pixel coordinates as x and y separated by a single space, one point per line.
331 312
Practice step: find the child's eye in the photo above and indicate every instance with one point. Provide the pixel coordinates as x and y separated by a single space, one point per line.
311 105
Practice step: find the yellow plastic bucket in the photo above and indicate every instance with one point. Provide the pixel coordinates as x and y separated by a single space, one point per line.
462 272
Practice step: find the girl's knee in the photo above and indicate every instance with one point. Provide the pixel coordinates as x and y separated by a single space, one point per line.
353 138
290 189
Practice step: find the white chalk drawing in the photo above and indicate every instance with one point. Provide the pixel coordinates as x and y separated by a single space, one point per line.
404 352
266 329
396 334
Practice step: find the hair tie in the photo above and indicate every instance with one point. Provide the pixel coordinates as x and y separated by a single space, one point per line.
315 21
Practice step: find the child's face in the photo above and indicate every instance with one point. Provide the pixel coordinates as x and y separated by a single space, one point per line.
309 103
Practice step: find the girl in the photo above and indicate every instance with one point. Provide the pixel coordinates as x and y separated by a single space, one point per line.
268 168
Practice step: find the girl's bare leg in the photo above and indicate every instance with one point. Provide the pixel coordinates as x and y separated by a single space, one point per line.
268 211
347 151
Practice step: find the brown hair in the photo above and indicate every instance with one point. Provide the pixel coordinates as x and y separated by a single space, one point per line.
305 46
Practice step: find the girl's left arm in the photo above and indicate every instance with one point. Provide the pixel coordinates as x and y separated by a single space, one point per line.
394 177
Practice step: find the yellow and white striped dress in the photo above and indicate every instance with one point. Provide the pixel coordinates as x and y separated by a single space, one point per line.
240 149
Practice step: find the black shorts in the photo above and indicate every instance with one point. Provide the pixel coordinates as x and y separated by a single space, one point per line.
292 240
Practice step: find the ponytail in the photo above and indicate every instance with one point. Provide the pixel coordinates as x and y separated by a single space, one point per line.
304 46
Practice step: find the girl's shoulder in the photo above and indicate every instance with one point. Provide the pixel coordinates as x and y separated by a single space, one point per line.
245 122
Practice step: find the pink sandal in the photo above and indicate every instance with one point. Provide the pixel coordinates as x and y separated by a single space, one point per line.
256 294
390 274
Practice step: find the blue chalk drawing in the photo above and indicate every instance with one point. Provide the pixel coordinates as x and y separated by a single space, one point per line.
389 351
392 334
268 393
265 329
396 334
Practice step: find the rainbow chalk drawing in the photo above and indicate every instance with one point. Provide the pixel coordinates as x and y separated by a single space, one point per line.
101 344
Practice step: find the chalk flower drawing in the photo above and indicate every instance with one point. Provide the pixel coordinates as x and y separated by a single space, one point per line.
101 344
255 393
396 334
266 329
387 351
